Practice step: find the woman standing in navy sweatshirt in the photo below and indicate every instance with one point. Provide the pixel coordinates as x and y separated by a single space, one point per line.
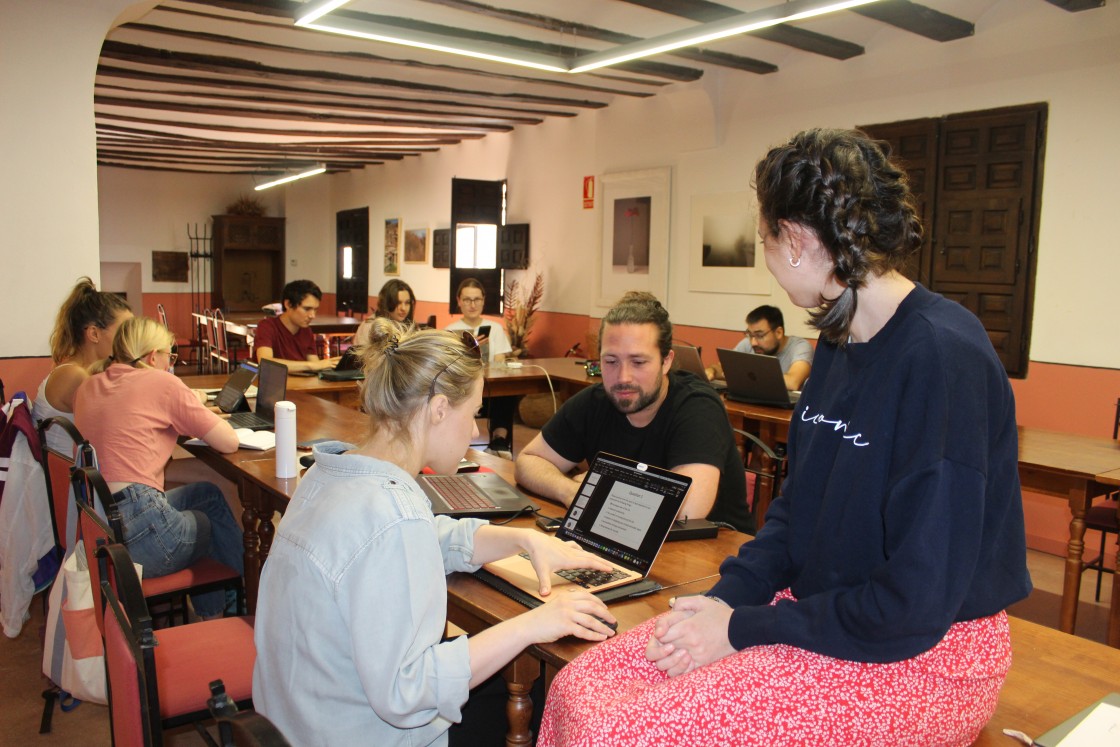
869 610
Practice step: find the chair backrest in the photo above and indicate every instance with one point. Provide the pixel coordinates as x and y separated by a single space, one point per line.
133 698
162 314
1116 424
764 468
94 531
57 463
250 729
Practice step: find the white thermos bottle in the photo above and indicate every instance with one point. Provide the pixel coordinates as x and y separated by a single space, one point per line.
285 416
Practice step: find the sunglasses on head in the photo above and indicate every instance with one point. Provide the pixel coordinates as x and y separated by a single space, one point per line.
471 348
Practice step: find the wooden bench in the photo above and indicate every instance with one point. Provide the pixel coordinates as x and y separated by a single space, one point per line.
1053 676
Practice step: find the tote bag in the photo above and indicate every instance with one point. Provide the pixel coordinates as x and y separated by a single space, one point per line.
73 657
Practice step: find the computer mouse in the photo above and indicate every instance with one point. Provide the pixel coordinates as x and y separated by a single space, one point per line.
307 460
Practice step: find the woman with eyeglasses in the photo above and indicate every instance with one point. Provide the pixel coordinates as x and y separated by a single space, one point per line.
83 334
133 409
352 608
494 342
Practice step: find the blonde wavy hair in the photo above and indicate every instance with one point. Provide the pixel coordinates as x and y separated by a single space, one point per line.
135 339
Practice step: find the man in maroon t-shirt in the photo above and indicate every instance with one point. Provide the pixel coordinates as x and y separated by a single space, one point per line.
288 338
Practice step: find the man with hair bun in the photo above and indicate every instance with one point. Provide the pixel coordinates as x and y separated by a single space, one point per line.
645 412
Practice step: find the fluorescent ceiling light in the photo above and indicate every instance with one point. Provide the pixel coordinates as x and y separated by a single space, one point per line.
319 169
795 10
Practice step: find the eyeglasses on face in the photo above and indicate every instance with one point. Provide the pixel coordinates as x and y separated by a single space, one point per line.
172 357
758 334
464 301
471 348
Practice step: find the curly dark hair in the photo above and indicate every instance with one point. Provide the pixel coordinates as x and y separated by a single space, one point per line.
842 185
389 299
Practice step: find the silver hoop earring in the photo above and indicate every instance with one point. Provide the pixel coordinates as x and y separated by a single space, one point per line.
794 264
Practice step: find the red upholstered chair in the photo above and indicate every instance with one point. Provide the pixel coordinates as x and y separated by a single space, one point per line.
57 463
158 679
1104 518
238 728
205 574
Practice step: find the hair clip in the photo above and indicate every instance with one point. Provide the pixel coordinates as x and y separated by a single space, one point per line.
394 341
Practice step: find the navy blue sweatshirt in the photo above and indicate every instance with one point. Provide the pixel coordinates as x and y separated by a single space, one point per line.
902 513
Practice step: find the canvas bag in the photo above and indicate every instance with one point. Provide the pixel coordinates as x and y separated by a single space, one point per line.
73 656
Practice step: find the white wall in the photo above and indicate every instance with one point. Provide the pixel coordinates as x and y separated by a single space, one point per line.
712 132
48 196
151 211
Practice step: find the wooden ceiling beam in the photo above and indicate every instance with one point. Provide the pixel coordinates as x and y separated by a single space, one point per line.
1075 6
703 11
286 132
394 136
257 88
918 19
163 58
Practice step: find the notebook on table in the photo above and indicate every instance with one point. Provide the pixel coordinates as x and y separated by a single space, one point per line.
232 397
687 358
272 387
755 379
621 513
479 494
349 368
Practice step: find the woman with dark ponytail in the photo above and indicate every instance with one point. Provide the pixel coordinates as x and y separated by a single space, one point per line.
869 609
83 334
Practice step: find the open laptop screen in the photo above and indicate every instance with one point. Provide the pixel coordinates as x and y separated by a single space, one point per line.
624 510
272 387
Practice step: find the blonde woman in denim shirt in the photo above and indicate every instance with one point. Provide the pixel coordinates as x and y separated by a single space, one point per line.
353 599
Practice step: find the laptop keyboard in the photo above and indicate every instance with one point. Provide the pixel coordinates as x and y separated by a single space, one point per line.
248 420
588 578
459 493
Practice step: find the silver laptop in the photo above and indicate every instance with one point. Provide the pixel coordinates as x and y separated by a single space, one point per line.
755 379
622 513
687 358
232 396
480 494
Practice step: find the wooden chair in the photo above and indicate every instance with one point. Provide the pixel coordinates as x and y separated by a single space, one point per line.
765 468
158 681
205 574
219 351
204 325
1104 518
186 348
238 728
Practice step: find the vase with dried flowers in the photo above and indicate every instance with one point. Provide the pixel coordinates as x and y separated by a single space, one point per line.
246 205
520 307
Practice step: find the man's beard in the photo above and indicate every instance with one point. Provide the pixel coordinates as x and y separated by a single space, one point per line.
641 401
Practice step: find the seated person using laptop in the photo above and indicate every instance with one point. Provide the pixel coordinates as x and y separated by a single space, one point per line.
643 411
353 598
132 410
870 608
766 335
288 338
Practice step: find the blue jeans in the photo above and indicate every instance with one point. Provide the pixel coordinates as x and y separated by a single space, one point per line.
166 532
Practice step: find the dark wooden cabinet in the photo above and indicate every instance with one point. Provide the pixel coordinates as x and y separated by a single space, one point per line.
248 262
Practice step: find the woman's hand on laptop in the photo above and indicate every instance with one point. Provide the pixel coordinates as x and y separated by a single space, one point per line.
549 554
574 612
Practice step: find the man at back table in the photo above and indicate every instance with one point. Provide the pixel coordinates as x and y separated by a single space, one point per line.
766 335
642 411
288 338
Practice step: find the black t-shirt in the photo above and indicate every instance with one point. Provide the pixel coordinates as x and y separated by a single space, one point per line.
690 427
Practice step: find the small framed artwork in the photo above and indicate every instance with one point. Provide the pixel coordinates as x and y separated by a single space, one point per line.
169 267
393 239
416 245
724 255
634 253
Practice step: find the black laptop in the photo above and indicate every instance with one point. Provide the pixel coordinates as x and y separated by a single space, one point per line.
480 494
349 367
231 398
687 358
621 513
272 387
755 379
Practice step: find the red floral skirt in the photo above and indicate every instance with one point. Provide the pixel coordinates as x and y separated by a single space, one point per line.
781 695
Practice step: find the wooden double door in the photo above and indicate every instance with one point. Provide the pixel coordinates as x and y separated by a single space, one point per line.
977 178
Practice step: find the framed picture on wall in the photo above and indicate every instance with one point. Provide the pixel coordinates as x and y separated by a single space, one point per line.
393 239
416 245
724 253
634 253
441 248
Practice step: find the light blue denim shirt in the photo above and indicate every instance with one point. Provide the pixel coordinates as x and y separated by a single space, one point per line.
352 607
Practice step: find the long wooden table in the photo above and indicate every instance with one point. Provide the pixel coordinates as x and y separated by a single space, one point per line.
1060 464
1053 674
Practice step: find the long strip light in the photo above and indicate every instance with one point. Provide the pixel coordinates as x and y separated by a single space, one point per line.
319 169
796 10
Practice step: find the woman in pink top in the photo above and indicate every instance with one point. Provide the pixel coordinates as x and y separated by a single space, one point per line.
133 409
